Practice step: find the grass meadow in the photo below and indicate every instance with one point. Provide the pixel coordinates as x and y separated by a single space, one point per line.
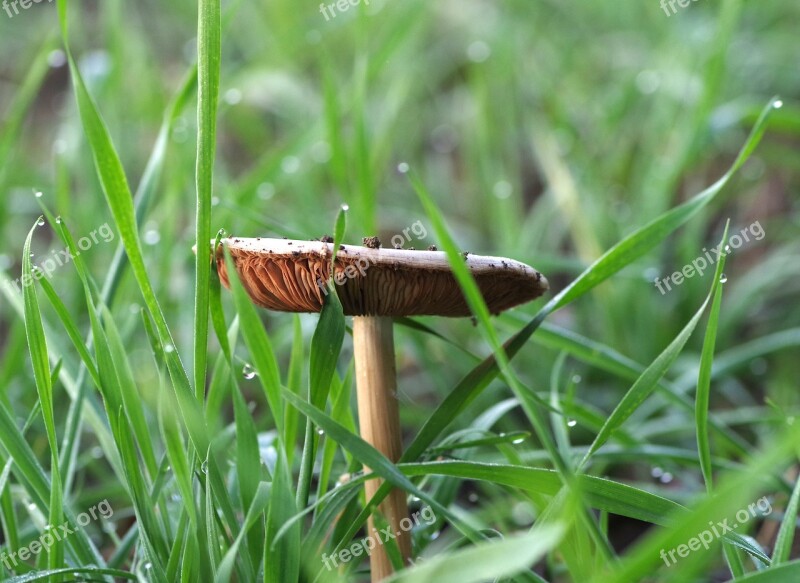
636 423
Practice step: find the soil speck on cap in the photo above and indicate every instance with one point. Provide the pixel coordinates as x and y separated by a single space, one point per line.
326 239
432 248
341 248
371 242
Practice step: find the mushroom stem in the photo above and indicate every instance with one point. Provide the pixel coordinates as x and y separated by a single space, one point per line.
379 421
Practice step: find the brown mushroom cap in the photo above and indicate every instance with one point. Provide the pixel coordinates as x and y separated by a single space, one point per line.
290 276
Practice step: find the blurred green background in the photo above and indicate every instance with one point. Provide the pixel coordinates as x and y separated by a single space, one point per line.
546 132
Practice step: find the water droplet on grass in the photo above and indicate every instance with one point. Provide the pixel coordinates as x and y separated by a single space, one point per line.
248 372
152 237
723 278
169 348
778 104
572 423
403 167
40 222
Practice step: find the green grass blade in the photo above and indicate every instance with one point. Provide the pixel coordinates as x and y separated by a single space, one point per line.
486 561
785 538
259 346
209 50
704 378
255 512
37 345
281 554
325 347
645 384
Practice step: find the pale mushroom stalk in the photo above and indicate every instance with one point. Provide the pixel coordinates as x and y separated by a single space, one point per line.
379 423
374 285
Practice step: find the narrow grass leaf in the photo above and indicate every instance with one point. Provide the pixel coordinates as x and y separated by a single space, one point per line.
37 347
486 561
783 543
706 362
259 346
209 34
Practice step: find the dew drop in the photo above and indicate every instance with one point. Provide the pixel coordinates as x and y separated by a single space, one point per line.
265 190
204 467
403 167
345 207
778 104
248 372
290 164
38 194
473 497
723 278
666 478
572 423
320 432
40 222
152 237
503 189
727 249
576 378
233 96
656 472
169 348
478 51
518 440
56 59
58 220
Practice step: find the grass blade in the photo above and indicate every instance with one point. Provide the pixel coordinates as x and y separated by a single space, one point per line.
209 50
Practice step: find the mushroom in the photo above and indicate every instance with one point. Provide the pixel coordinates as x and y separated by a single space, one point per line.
374 285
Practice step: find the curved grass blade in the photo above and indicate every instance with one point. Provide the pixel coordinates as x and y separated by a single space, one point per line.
55 574
486 561
37 347
704 378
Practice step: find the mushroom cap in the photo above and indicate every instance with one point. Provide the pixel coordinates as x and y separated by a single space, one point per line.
290 276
